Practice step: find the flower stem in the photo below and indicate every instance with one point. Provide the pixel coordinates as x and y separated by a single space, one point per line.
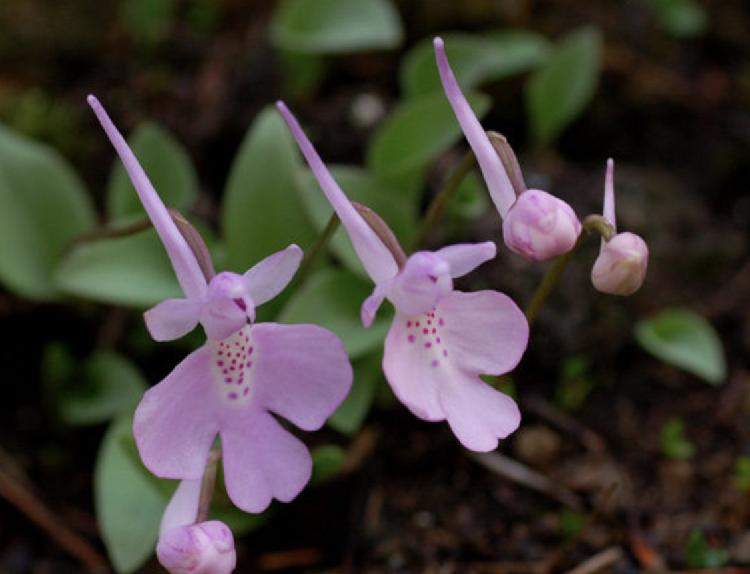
440 201
590 224
207 484
312 254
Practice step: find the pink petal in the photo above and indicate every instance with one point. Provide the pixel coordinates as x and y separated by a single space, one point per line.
371 305
501 189
173 318
262 461
176 421
182 509
409 371
478 414
485 331
465 257
185 265
302 372
268 278
375 256
609 194
221 318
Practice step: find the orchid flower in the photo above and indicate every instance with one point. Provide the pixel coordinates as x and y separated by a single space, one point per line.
621 266
441 339
536 224
243 373
187 547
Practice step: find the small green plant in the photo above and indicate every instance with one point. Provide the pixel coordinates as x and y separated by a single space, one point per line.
742 473
699 554
674 444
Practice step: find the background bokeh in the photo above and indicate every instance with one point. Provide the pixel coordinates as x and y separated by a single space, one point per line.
635 417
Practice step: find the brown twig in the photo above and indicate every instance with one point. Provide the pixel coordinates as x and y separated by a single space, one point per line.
598 562
14 488
523 475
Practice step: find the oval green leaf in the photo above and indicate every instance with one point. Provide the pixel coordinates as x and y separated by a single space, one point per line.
685 340
350 416
417 132
132 270
336 26
129 502
262 211
168 167
43 206
559 91
475 59
331 298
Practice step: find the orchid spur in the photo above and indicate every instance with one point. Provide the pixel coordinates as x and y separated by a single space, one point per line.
242 374
441 340
536 224
621 266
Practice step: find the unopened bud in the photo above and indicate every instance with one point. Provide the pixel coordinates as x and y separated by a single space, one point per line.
621 266
205 548
540 226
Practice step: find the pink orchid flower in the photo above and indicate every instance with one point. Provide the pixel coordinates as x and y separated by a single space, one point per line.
621 266
441 339
243 373
187 547
536 224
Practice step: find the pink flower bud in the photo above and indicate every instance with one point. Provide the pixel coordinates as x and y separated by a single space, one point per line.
621 266
205 548
540 226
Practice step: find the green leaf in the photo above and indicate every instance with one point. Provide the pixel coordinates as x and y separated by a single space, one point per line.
132 270
129 502
168 167
262 212
109 386
332 298
681 18
336 26
397 208
685 340
327 461
148 21
303 73
350 416
741 477
559 91
43 206
673 442
700 555
475 59
417 132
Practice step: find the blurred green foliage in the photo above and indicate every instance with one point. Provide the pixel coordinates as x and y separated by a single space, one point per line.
699 554
674 444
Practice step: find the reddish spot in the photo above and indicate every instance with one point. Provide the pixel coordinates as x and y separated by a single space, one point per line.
250 351
408 323
232 368
232 396
437 340
435 363
417 323
228 380
427 345
411 338
247 390
225 371
249 364
220 363
445 352
221 353
429 322
441 322
425 331
434 330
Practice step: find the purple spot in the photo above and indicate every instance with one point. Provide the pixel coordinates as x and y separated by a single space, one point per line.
225 371
427 345
241 304
232 396
411 338
425 331
247 390
434 330
250 351
228 380
437 340
249 364
220 363
435 363
417 323
441 322
408 323
445 352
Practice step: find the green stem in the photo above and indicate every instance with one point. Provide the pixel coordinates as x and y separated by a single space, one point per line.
440 202
590 224
312 254
207 485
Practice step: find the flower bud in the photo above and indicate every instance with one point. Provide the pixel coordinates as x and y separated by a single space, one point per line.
205 548
540 226
621 266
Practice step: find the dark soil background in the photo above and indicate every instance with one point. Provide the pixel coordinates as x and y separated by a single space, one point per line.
675 114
